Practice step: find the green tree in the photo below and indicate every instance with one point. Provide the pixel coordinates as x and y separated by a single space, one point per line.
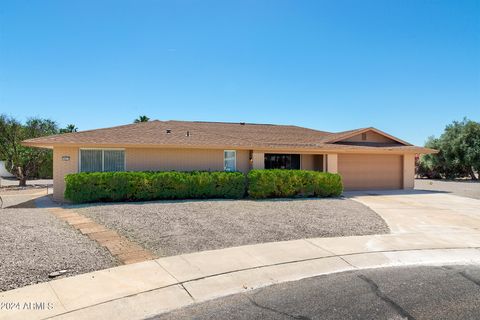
459 152
471 145
143 118
24 162
68 129
432 165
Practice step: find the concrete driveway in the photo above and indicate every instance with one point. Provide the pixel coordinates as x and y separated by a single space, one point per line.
423 211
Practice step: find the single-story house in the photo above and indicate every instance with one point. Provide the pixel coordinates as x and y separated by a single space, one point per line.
366 158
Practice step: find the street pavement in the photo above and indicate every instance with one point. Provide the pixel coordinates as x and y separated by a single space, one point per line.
451 292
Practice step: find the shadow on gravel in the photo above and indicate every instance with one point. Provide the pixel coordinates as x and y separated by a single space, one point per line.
187 201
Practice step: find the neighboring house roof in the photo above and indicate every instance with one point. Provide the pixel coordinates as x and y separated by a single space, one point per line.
197 134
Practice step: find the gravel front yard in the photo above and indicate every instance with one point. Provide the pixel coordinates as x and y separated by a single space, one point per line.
176 227
34 243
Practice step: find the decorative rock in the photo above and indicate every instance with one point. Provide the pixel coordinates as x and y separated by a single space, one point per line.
57 273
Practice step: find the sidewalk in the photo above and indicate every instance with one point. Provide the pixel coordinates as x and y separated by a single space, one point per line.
429 237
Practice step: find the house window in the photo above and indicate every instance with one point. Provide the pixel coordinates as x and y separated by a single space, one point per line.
282 161
100 160
229 160
113 160
91 161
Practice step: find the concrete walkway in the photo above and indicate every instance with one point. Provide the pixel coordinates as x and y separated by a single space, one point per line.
427 229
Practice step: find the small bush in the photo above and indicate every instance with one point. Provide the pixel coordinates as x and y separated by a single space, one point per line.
139 186
276 183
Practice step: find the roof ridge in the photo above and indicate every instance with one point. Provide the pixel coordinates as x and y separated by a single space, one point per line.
239 123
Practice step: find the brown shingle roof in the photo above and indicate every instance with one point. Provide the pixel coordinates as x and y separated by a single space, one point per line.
206 135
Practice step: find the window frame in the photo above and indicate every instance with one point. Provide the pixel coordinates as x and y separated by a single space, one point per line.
103 158
234 160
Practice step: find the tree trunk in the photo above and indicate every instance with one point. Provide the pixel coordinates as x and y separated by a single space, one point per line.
22 179
472 174
22 182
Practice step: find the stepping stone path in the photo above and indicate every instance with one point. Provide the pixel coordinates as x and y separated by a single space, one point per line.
120 247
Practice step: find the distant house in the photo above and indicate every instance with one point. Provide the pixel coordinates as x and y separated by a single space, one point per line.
366 158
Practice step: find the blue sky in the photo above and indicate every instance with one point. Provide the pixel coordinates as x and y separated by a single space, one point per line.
406 67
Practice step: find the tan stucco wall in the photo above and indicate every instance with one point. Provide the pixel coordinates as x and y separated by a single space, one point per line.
408 171
139 159
307 162
258 160
62 168
243 161
371 137
332 163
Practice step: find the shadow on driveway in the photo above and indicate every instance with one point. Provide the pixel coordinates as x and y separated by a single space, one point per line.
348 194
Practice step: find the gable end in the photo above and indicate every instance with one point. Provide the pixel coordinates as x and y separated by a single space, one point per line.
369 137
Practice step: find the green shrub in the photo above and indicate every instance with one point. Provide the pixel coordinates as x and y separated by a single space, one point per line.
276 183
141 186
138 186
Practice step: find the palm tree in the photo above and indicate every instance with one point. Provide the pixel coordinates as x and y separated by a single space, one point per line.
69 128
141 119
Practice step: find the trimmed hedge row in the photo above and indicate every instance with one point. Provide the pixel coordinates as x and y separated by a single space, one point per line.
277 183
140 186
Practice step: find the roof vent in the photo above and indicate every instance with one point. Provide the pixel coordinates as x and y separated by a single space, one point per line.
169 131
242 123
188 134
